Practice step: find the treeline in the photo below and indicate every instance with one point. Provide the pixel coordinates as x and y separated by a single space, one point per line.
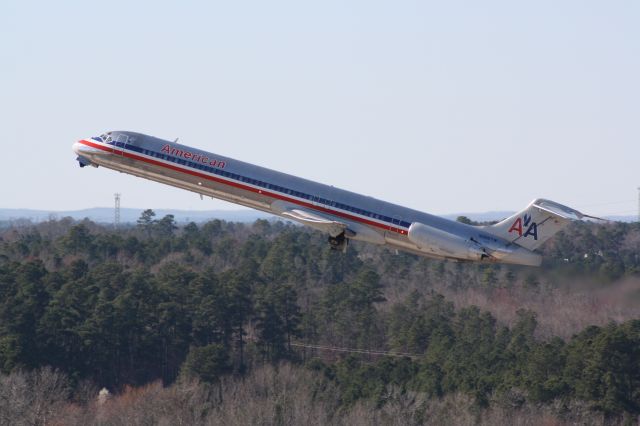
155 301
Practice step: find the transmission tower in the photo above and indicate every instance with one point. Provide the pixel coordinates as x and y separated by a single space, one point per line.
116 211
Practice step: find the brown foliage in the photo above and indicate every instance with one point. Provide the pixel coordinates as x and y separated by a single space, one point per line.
32 398
280 395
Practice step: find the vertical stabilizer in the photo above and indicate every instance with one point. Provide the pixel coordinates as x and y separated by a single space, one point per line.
535 224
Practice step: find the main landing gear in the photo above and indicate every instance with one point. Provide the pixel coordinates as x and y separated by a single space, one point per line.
339 242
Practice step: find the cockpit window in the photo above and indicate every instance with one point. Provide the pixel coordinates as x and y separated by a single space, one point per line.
106 138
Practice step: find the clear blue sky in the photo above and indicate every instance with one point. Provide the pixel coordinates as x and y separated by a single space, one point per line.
442 106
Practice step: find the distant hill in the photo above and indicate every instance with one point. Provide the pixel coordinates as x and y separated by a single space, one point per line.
129 215
622 218
480 217
491 216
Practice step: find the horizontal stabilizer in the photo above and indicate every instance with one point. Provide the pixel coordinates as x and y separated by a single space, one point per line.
562 211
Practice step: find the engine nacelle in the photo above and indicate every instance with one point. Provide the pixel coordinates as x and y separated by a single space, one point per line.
438 242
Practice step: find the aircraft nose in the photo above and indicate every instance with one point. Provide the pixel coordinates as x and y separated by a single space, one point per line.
77 148
83 149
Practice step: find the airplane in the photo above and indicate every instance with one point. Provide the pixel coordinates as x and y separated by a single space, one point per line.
344 215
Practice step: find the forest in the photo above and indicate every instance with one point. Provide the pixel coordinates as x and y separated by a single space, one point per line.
229 323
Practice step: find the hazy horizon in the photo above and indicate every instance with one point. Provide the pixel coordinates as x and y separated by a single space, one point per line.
105 215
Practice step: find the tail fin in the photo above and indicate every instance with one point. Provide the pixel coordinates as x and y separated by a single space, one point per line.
536 224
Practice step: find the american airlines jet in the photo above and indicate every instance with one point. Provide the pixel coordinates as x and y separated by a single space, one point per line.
342 214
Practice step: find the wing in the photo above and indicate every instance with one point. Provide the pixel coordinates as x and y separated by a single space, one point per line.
328 223
332 227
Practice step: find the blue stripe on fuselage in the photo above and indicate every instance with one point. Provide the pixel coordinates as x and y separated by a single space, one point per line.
271 187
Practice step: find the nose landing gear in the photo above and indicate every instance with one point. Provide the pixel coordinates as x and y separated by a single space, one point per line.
83 162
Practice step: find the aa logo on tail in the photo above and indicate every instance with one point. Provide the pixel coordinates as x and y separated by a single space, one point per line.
525 223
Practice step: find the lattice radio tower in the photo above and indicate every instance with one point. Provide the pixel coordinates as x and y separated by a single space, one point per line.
116 211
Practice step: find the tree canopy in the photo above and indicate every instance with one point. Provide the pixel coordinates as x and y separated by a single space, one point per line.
158 301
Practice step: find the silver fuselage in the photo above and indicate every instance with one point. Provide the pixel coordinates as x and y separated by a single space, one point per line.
262 189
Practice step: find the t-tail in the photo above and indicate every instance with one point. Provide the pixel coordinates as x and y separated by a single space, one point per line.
536 224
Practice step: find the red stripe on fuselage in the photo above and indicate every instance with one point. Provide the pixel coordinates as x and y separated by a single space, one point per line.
240 186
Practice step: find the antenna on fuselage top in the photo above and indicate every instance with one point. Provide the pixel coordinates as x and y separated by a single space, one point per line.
176 141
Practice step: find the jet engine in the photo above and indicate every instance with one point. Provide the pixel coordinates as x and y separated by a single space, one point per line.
438 242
